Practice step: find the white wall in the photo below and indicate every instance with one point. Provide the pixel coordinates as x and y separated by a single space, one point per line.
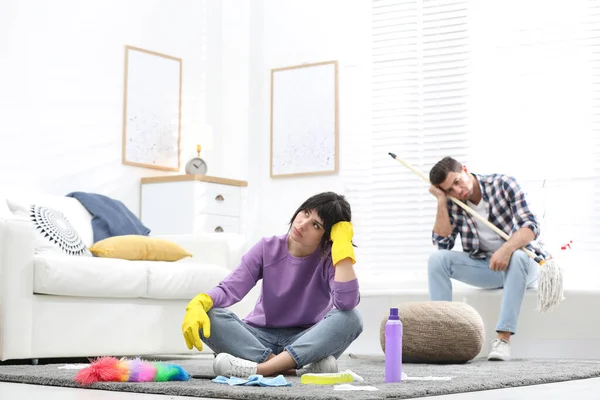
61 101
61 96
287 33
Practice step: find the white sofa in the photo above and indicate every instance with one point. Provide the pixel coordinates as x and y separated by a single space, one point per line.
55 305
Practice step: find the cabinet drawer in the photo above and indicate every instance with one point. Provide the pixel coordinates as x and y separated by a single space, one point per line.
214 198
210 223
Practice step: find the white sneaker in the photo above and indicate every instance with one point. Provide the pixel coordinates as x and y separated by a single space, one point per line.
227 365
327 365
500 351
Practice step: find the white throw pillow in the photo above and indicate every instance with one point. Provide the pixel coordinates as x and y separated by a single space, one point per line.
55 232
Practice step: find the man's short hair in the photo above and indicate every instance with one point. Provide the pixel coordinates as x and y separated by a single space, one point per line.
440 171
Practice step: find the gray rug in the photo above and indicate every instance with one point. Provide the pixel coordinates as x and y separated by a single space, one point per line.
474 376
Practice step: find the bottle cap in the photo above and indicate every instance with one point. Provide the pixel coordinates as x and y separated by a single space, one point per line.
394 314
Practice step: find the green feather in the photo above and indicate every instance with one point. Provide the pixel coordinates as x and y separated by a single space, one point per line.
163 372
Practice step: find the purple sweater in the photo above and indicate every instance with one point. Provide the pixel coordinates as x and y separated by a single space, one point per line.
296 291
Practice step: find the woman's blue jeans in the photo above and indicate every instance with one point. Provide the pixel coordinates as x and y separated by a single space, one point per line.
330 336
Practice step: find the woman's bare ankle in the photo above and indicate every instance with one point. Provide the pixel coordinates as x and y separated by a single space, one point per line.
282 363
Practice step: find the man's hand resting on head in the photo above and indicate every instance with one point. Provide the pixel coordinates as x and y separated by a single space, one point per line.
500 259
196 318
437 192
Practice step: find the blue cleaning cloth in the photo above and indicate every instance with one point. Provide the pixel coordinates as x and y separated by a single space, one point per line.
253 380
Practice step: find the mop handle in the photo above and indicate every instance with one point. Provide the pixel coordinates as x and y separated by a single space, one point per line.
465 207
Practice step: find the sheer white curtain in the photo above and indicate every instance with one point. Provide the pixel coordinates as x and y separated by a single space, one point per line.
509 87
535 114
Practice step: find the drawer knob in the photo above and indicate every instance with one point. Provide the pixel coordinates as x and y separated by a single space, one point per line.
218 229
219 198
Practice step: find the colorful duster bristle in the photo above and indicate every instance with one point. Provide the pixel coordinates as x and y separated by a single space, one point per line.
112 369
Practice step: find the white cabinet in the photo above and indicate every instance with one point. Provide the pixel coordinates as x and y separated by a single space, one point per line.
187 204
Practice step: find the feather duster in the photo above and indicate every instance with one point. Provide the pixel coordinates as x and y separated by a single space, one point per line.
112 369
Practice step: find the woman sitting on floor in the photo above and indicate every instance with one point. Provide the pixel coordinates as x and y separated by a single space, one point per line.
304 318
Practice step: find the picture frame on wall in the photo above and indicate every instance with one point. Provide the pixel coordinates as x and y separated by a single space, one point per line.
304 120
152 110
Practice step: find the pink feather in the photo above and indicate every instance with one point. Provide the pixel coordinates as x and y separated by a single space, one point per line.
103 369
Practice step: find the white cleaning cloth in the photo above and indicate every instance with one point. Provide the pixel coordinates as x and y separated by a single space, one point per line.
348 386
74 366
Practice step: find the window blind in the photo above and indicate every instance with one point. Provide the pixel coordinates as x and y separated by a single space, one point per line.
419 112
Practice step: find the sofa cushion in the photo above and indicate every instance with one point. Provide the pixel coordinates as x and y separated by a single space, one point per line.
182 279
63 275
54 231
438 332
139 247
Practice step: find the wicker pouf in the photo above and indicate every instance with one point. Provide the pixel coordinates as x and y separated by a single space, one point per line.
438 332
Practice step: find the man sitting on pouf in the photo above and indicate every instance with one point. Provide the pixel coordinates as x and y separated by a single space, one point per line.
487 261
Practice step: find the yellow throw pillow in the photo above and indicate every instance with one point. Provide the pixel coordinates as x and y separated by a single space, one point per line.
138 247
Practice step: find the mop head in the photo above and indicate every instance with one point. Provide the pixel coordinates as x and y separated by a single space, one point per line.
111 369
550 287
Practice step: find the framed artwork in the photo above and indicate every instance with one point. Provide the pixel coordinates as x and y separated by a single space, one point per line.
304 120
152 110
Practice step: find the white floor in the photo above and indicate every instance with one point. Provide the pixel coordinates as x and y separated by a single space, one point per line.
583 389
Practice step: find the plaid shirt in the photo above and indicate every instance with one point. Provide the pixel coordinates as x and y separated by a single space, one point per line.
508 210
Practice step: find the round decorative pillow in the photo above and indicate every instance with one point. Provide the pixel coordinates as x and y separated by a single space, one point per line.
438 332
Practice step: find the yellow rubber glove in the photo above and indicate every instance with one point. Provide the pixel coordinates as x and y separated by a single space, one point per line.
196 318
341 236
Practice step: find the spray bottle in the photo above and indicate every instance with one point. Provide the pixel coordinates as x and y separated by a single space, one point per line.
393 347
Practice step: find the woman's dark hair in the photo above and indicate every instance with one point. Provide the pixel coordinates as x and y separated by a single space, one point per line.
330 207
440 171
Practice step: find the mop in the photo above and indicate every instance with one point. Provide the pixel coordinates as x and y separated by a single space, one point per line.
550 280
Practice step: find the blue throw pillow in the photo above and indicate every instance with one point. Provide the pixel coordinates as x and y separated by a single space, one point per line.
110 217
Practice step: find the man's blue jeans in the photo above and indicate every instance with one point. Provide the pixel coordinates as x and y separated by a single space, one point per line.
521 274
330 336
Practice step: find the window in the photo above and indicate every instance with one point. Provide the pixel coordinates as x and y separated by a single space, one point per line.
419 112
506 87
535 114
